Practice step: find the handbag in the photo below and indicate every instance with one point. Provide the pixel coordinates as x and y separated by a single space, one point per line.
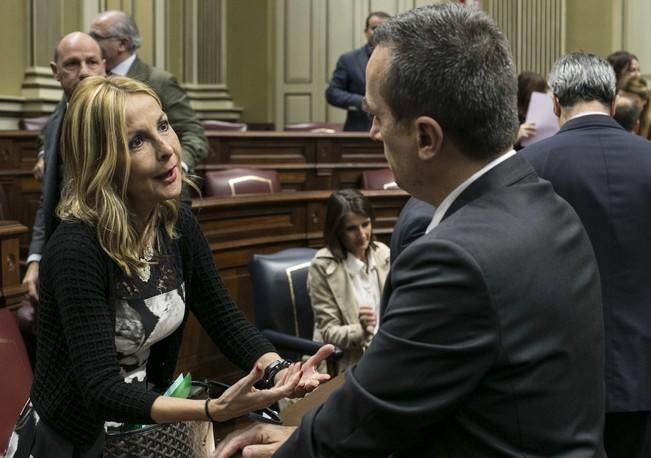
184 439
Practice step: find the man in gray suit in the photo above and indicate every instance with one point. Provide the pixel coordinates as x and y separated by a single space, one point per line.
490 341
76 57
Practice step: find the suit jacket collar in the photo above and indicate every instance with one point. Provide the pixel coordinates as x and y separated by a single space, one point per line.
594 120
139 70
505 174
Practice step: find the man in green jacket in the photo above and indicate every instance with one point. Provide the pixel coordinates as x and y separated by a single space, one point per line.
118 36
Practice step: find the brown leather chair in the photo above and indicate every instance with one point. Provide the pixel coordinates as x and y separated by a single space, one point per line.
378 179
233 182
213 125
17 375
323 127
33 123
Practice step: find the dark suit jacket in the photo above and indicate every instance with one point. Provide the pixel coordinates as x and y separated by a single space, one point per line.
490 342
347 88
414 218
179 112
604 172
45 220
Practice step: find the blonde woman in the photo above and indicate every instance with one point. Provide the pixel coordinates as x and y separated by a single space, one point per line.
118 278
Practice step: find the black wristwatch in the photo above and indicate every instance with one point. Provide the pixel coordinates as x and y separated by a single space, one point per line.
270 373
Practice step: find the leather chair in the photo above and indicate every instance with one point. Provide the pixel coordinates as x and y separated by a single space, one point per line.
211 124
378 179
283 311
233 182
322 127
33 123
17 375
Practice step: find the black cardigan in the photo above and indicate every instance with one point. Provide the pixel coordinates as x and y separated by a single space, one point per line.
77 382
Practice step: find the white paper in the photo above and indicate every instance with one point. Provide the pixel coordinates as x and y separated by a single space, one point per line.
541 113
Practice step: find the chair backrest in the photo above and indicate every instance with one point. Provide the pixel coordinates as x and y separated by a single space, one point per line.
378 179
211 124
17 375
327 127
280 296
232 182
33 123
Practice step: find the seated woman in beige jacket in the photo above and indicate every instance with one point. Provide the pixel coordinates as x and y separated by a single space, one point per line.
347 276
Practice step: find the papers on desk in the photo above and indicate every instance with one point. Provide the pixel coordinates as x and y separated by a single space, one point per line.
541 113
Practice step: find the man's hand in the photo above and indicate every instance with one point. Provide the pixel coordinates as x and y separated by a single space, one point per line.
257 441
368 318
31 280
311 377
38 169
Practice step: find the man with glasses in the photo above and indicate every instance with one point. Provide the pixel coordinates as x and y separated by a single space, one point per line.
118 36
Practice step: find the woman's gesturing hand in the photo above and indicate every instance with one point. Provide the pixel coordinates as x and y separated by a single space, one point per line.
243 397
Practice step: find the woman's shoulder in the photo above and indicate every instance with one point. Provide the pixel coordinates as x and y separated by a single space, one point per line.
325 261
70 231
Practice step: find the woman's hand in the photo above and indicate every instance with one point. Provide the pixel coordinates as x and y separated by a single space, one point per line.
243 397
526 130
368 318
311 378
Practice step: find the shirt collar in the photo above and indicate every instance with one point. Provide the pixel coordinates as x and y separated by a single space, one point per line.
123 67
450 198
588 113
354 265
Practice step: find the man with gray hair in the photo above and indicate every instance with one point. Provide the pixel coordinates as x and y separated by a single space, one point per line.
118 36
490 342
604 172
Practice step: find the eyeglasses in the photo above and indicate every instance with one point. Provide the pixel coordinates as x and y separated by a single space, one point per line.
98 37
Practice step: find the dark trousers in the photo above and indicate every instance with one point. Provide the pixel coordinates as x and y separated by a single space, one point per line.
628 435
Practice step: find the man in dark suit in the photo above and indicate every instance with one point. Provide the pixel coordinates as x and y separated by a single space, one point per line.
347 85
119 38
414 218
604 172
490 341
76 57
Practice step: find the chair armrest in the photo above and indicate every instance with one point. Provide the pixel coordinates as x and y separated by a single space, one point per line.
298 344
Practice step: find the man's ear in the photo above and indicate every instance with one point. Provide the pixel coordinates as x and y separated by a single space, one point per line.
55 70
557 106
636 127
430 137
124 44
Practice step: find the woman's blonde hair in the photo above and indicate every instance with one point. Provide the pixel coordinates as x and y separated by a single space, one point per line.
96 158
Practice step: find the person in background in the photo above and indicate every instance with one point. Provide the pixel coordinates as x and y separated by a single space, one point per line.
528 82
76 56
119 277
604 173
635 88
625 64
346 277
347 84
627 114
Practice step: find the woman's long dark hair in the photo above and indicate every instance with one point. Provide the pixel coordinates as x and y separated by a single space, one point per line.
339 204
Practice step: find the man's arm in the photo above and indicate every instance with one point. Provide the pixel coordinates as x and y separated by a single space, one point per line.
338 93
437 339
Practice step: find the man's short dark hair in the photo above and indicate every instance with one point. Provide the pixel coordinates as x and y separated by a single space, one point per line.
582 77
627 113
337 207
455 66
380 14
